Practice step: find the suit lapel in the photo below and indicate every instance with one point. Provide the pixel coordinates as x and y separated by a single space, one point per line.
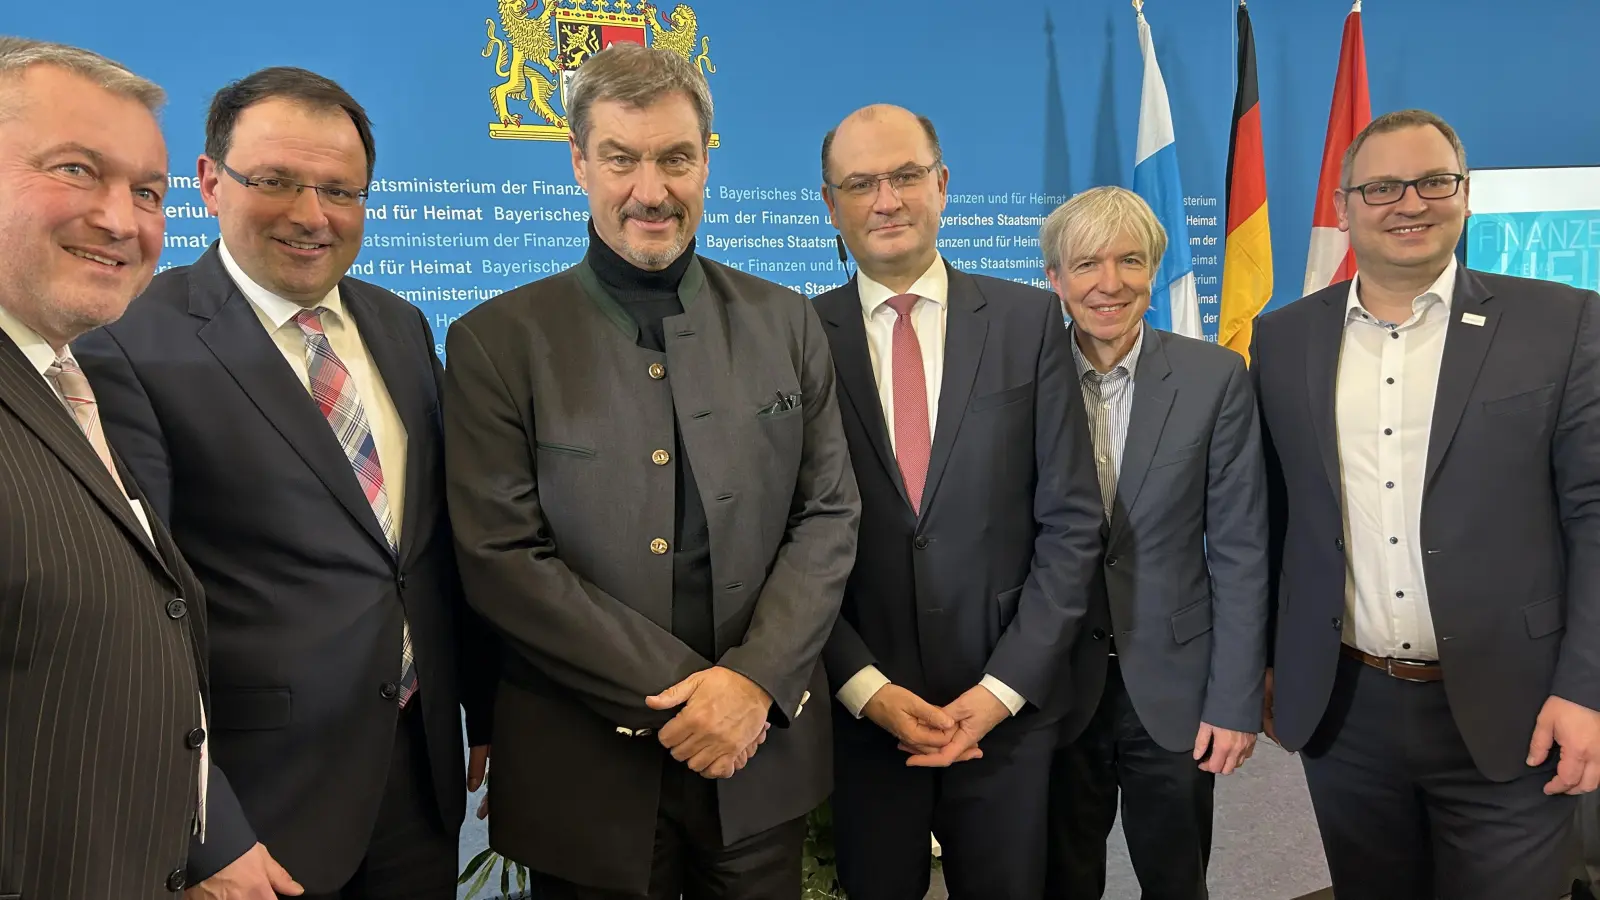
1152 401
1465 348
235 336
965 330
853 362
1324 338
27 395
407 381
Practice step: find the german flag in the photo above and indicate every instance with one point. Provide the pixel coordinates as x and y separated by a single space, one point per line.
1247 258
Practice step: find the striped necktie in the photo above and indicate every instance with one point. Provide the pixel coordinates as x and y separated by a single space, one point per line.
335 394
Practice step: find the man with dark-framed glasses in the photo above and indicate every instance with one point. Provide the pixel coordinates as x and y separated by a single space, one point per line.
980 535
283 419
1433 455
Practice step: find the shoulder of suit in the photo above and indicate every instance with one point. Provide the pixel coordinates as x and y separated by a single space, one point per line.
386 300
745 284
1193 352
167 292
1303 306
522 301
1513 287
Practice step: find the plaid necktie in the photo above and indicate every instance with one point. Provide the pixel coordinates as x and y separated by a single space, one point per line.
335 394
74 387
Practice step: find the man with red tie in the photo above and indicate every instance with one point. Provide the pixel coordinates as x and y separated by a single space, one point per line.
980 534
284 421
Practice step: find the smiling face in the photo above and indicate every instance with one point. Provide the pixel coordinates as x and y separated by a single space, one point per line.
891 232
1107 293
1413 235
298 246
645 170
82 175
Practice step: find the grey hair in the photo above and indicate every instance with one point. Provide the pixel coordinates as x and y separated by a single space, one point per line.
18 54
1399 121
635 76
1086 224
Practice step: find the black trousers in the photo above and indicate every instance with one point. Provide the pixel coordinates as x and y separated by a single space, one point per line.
690 860
413 855
1405 814
1166 807
988 814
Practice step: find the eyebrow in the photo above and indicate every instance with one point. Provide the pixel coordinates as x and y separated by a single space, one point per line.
612 145
99 159
1436 170
910 163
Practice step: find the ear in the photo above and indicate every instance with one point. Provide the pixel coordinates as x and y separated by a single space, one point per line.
1466 195
209 175
1057 284
944 185
1341 205
578 162
827 199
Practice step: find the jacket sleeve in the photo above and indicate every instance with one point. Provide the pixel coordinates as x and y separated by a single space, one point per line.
799 602
1575 459
1031 655
1236 548
1277 499
608 654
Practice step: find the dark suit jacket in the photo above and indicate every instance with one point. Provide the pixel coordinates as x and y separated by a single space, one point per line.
994 576
1183 585
102 664
306 598
553 413
1510 507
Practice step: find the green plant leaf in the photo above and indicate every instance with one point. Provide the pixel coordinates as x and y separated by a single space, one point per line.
481 881
505 877
473 865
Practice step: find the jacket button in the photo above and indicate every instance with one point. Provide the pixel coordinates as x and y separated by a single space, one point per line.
1338 544
1111 562
661 457
1338 624
195 738
658 371
176 881
389 690
1098 634
658 546
400 582
177 609
921 542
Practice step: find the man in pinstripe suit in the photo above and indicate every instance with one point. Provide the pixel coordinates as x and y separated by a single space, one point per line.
101 627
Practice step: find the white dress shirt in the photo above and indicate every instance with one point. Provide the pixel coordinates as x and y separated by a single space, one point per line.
928 320
1388 376
43 356
388 432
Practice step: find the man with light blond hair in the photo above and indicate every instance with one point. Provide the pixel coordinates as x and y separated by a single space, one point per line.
1168 667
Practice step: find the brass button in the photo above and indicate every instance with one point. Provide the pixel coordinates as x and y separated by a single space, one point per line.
658 371
661 457
658 546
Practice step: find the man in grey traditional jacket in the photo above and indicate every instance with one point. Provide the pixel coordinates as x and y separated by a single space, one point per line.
653 502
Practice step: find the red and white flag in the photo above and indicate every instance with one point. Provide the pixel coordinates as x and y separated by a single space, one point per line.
1329 259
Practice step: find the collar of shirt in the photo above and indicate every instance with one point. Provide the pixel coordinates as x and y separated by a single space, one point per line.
273 308
1128 363
1443 290
34 347
934 285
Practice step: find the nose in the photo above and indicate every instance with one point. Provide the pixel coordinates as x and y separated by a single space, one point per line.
306 210
887 199
114 213
1110 280
1411 201
649 188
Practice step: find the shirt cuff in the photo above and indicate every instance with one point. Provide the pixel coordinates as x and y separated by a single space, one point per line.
1013 700
861 687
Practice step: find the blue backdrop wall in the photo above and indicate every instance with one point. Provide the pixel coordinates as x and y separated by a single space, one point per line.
1034 100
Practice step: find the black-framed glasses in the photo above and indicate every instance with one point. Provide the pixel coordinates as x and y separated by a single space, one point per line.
279 188
860 187
1441 186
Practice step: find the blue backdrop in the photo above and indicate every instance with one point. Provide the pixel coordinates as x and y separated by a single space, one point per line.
1034 100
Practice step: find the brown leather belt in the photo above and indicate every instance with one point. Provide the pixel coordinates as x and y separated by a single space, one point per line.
1397 668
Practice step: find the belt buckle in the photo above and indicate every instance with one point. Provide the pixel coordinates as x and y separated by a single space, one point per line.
1389 667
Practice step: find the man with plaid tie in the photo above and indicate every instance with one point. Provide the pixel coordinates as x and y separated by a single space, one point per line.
980 534
284 420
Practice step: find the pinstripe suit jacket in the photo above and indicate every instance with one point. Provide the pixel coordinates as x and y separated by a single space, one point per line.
101 669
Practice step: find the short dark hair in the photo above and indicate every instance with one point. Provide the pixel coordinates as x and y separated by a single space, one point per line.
1398 121
290 83
927 129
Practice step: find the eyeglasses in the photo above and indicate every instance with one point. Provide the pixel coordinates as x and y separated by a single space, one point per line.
277 188
1429 187
860 187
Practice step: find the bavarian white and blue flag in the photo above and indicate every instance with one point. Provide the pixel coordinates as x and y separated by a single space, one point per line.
1174 302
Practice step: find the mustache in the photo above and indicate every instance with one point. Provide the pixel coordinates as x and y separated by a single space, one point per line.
670 209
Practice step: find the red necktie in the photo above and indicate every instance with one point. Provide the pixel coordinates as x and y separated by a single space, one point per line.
912 436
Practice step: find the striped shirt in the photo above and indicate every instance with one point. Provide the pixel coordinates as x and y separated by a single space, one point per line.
1109 399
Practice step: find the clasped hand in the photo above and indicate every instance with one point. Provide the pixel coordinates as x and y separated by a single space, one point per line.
934 736
723 721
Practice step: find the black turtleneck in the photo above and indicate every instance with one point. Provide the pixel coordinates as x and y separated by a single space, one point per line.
651 297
